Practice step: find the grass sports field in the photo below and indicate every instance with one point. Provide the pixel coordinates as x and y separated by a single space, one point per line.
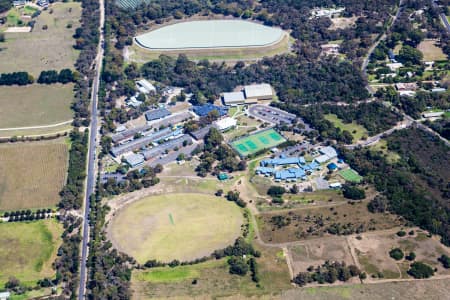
35 105
350 175
44 49
32 174
175 226
256 142
27 250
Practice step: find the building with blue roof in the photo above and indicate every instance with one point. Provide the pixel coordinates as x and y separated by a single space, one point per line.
282 161
332 167
265 170
204 110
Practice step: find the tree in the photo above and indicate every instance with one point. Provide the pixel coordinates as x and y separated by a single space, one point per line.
420 270
410 56
445 261
238 266
378 204
213 139
353 192
65 76
276 191
396 254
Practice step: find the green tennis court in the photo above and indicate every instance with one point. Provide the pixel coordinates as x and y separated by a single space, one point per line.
256 142
350 175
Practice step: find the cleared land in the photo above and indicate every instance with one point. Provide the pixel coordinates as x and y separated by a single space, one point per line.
372 250
355 129
175 226
414 290
316 252
256 142
44 49
32 174
430 51
27 250
343 219
213 280
35 105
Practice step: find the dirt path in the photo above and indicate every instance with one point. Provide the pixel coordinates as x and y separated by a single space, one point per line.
37 127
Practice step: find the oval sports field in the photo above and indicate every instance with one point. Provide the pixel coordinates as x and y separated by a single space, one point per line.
175 226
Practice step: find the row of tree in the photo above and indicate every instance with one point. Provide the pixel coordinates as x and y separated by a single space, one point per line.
45 77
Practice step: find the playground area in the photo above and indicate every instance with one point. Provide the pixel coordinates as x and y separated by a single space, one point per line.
256 142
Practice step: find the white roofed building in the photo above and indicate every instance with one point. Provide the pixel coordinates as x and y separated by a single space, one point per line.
233 98
225 123
258 92
145 87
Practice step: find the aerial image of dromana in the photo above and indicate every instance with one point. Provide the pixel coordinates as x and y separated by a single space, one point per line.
225 149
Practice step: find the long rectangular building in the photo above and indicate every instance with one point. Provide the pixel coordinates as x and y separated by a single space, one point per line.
141 142
169 145
118 137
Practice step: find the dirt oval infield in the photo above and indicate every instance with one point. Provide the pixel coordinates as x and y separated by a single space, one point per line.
175 226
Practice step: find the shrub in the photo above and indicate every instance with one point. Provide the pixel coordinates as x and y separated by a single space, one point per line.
420 270
396 254
445 261
401 233
411 256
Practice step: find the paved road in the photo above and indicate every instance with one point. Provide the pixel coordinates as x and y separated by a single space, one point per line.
445 21
90 180
372 48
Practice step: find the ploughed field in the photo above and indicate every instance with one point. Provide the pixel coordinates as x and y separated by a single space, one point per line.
32 174
175 226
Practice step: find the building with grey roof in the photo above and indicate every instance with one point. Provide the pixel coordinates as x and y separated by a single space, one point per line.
167 146
130 133
201 133
258 92
233 98
141 142
134 160
157 114
173 120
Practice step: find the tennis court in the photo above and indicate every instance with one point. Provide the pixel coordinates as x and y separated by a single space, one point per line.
256 142
350 175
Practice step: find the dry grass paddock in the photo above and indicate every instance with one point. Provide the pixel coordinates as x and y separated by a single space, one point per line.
431 52
35 105
32 174
43 49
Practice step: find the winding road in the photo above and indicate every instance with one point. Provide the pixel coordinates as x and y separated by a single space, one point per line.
90 178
